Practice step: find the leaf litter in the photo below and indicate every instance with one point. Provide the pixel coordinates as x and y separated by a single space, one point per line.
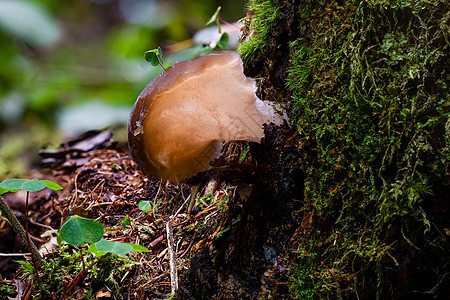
102 182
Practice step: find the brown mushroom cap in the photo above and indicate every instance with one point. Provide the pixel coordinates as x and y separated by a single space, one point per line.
181 118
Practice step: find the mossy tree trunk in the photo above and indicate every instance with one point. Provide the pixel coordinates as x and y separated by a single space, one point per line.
366 87
366 84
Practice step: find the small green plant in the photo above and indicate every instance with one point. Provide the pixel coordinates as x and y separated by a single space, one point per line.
303 282
223 41
215 18
126 221
58 272
154 57
77 231
206 200
145 206
14 185
7 290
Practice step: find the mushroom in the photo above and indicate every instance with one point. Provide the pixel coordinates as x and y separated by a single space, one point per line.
179 121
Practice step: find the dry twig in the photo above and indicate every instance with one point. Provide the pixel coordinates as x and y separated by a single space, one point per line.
172 258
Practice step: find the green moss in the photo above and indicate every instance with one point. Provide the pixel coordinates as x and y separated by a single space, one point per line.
265 13
374 102
303 283
58 271
370 99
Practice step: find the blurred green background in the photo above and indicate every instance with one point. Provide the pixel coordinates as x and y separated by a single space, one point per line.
71 66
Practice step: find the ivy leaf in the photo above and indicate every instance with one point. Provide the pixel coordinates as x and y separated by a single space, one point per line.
78 230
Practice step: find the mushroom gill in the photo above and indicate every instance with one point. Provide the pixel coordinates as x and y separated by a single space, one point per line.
179 121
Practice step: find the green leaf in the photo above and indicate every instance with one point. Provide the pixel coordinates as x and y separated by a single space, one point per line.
137 248
59 239
23 184
223 41
52 185
214 16
126 221
12 184
113 247
78 230
206 50
95 251
26 266
152 57
2 191
33 185
145 206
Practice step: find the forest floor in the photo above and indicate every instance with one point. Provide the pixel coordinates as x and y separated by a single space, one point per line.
100 181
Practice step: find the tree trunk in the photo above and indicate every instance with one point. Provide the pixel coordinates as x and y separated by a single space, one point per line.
352 199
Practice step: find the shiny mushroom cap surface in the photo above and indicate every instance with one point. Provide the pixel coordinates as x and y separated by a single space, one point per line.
179 121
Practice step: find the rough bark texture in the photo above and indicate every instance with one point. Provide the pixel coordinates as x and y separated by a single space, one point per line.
363 211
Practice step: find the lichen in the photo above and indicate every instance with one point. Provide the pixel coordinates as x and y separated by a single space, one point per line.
367 87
